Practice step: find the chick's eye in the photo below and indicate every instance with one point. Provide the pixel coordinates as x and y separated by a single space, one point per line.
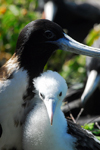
42 95
60 94
49 34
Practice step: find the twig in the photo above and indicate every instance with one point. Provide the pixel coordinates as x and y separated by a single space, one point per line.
82 109
72 118
71 114
92 120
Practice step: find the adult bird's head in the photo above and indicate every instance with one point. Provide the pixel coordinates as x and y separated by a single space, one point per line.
40 38
51 88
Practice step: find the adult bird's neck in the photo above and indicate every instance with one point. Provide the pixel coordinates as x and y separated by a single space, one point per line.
33 59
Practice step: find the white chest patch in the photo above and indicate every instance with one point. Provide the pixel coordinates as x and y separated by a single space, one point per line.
11 110
40 135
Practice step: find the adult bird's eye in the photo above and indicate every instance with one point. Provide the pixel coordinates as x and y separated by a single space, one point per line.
42 96
60 94
49 34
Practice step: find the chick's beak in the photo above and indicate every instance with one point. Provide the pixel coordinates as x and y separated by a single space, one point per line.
50 106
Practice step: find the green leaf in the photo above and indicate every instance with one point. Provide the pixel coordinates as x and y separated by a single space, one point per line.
98 137
89 126
14 10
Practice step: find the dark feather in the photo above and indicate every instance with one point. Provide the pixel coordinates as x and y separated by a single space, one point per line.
0 130
85 140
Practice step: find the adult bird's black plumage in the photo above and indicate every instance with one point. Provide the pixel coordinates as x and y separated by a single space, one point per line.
91 95
77 18
36 42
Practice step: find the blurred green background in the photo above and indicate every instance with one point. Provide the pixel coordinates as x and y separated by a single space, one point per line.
14 15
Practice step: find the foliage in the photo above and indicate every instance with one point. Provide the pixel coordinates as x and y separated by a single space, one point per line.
93 35
91 127
14 15
73 70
